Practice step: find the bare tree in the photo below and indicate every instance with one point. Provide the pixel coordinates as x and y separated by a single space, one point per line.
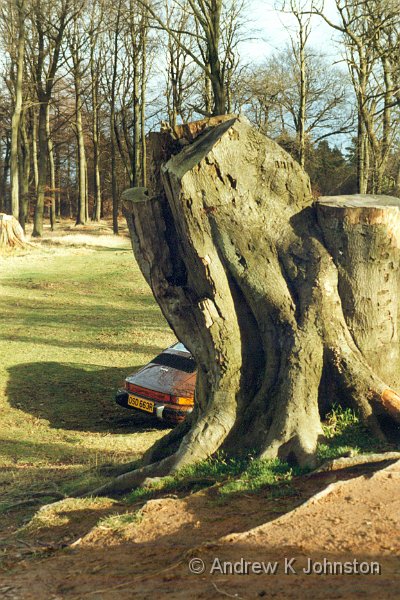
77 41
49 22
96 64
368 29
115 35
13 18
299 42
272 96
207 19
181 71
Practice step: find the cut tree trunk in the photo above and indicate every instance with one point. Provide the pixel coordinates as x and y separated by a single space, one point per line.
274 295
11 232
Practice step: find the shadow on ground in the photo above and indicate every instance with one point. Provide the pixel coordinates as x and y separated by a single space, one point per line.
77 397
152 555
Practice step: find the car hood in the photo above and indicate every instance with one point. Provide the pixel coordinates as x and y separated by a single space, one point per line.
165 379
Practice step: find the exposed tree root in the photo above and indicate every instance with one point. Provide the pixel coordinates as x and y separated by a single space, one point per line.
348 462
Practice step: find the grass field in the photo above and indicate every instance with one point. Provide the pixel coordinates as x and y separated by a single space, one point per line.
76 317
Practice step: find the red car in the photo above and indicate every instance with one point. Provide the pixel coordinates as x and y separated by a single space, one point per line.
164 388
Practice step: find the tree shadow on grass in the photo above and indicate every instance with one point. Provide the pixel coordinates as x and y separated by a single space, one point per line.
77 397
23 452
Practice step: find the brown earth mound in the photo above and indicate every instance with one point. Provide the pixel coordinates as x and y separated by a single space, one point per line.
346 532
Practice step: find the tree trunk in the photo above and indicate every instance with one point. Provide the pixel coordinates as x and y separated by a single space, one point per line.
303 94
82 209
135 167
25 168
143 137
207 94
42 168
16 117
268 291
4 176
52 190
35 163
218 88
114 185
143 83
362 157
368 268
96 216
57 161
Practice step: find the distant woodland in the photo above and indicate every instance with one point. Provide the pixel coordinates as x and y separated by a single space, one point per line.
83 82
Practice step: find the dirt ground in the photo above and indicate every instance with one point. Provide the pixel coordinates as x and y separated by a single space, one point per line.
338 521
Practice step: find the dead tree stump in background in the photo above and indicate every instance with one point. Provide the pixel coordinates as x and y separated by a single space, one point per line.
270 292
11 232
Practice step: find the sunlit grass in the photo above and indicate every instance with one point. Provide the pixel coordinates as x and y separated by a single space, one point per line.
117 523
344 435
74 322
57 514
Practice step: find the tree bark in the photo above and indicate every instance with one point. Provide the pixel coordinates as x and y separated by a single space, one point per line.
136 127
258 282
24 170
42 167
16 117
4 175
303 93
82 189
35 163
362 234
143 83
52 173
96 216
113 141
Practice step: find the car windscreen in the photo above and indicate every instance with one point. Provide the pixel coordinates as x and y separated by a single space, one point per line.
182 363
179 346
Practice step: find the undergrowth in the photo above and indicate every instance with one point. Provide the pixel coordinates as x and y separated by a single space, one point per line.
344 434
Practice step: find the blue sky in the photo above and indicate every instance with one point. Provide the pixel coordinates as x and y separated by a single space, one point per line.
269 28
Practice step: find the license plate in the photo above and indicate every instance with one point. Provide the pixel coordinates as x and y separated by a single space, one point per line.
140 403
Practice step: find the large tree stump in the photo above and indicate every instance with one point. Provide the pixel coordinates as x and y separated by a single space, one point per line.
362 233
271 293
11 232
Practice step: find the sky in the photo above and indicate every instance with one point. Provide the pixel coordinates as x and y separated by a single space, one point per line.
269 29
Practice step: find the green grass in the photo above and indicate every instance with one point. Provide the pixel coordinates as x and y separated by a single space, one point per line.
344 435
74 322
60 514
118 523
232 475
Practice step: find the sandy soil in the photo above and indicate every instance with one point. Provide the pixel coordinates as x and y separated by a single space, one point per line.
347 520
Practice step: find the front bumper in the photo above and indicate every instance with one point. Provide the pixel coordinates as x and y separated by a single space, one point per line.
165 412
